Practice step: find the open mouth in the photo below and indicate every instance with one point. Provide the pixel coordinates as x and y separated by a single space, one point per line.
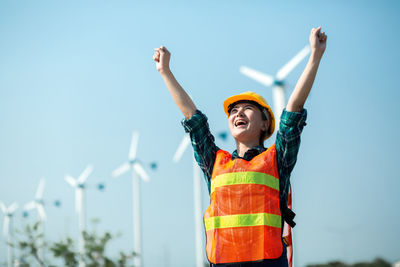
239 123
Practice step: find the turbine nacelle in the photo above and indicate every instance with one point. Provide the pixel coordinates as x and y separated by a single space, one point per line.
80 182
101 187
279 83
82 186
133 163
57 203
39 201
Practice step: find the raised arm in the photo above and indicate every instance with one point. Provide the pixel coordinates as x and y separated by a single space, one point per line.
182 100
304 84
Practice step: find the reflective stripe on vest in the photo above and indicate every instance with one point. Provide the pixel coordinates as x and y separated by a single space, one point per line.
243 222
244 178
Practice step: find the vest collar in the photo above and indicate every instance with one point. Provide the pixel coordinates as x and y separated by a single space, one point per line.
249 154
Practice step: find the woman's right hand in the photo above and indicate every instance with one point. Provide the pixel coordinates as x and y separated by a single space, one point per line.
318 41
161 57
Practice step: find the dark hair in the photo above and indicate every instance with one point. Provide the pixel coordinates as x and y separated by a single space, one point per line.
254 103
264 115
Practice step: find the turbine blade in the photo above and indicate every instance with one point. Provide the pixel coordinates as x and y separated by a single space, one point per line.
40 189
6 225
85 174
3 207
285 70
121 170
30 206
12 207
260 77
134 144
182 147
70 180
42 213
141 172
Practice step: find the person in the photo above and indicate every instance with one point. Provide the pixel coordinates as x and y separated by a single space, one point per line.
250 188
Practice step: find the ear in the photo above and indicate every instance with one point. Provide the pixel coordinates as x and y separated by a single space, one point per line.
268 121
264 125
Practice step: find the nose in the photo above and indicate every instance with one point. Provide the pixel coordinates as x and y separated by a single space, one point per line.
240 112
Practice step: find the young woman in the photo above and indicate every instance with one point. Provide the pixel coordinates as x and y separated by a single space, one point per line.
249 189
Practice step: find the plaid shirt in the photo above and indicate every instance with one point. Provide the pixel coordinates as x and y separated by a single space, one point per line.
287 146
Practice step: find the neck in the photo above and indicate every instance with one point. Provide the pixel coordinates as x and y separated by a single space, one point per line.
242 147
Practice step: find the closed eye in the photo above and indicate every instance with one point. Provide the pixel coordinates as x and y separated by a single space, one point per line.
234 110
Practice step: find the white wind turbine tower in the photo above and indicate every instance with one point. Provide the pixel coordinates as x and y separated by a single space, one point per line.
38 204
7 225
137 171
79 185
278 82
198 222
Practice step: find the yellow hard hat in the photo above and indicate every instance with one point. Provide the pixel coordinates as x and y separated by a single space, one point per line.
251 96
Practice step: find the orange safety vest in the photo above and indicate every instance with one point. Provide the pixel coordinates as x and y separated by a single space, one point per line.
243 222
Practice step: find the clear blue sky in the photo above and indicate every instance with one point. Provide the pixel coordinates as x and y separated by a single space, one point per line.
77 77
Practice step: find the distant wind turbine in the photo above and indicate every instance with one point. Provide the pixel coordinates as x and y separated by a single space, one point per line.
7 228
79 185
198 222
38 204
278 82
137 171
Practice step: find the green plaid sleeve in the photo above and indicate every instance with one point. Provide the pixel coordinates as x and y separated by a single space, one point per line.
287 146
203 143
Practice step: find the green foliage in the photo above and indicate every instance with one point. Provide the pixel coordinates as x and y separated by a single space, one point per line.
124 258
29 245
65 250
95 247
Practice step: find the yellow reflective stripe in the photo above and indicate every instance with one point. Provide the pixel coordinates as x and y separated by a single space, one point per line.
244 178
242 220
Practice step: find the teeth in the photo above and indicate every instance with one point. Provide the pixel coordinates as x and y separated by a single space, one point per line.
238 123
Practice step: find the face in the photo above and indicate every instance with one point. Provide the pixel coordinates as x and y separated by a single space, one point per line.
246 123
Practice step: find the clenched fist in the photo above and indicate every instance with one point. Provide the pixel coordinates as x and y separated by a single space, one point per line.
318 41
161 57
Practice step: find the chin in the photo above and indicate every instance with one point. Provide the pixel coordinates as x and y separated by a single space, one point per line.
241 136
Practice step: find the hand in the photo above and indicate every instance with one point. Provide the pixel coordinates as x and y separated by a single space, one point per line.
161 57
318 41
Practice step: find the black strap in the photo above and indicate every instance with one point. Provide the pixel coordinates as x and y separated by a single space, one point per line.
288 216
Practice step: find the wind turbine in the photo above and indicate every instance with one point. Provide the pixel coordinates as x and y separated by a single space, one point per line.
38 204
278 82
137 171
7 225
79 185
198 222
